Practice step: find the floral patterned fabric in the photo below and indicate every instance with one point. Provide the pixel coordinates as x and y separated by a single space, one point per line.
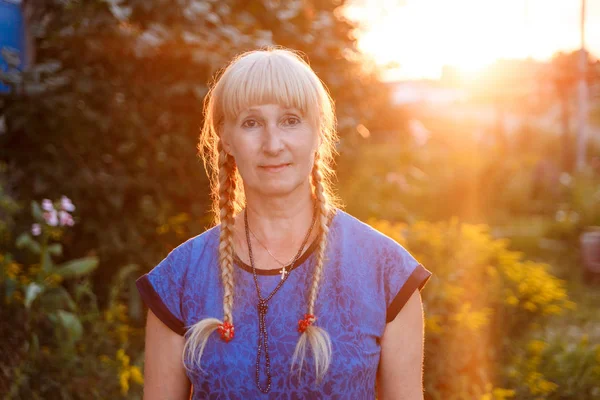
367 279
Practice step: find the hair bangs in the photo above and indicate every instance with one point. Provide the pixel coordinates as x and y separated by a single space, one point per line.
269 78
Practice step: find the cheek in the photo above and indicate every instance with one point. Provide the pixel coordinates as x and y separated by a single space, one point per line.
243 148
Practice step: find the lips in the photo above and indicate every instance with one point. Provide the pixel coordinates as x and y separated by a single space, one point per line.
274 167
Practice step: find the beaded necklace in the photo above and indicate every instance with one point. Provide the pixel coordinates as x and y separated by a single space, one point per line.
263 306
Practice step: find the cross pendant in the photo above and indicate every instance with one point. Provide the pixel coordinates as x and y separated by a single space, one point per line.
283 272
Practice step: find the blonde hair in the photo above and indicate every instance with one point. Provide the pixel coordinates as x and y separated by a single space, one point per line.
270 76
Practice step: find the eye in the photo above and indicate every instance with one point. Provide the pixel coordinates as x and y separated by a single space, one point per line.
250 123
291 120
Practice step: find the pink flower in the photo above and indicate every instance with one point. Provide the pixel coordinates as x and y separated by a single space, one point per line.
65 218
51 218
47 205
66 204
36 229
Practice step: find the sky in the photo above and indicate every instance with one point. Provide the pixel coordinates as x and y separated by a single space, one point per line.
422 36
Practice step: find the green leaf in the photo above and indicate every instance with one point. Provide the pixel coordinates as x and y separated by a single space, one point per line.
77 268
36 211
24 241
84 292
31 293
55 249
120 281
58 297
71 323
47 263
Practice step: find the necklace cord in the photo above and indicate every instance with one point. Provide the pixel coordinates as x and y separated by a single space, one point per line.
268 251
263 306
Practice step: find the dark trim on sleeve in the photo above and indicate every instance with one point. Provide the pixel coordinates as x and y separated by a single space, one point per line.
155 303
417 280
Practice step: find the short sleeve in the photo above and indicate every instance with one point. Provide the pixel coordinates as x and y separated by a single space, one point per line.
404 275
161 289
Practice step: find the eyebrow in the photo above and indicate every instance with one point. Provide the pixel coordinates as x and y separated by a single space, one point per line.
248 111
251 109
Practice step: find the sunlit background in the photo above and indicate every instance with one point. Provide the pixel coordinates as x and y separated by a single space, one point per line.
469 133
423 36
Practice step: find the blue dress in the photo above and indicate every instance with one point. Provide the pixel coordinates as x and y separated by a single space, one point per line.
367 279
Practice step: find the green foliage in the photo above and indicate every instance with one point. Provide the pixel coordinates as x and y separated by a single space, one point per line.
556 368
482 298
110 114
55 320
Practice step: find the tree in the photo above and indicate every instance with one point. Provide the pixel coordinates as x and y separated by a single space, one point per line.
111 112
563 77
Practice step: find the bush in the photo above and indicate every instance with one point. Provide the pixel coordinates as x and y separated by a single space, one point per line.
482 299
59 344
556 368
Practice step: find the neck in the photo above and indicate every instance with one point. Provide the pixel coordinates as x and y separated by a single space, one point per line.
279 218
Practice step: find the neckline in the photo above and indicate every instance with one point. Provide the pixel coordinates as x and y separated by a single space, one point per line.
262 271
299 263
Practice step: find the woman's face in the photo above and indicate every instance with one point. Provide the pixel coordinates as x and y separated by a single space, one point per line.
273 147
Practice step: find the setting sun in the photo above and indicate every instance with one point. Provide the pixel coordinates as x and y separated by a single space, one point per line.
420 37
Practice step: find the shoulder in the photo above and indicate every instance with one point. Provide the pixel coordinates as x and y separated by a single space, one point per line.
195 247
356 234
166 286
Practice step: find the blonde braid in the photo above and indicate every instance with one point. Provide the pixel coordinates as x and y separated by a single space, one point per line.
227 191
314 336
323 218
198 334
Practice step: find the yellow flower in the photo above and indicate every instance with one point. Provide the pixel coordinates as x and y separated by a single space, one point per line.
536 346
53 280
12 270
512 300
552 309
104 358
124 358
530 306
123 333
502 394
121 311
546 387
136 375
454 292
432 324
124 381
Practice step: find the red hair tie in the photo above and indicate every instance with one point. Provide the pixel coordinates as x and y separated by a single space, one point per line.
226 331
308 320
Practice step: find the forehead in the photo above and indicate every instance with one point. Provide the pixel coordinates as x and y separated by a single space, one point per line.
268 109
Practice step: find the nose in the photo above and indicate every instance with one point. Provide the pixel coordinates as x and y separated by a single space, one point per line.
273 143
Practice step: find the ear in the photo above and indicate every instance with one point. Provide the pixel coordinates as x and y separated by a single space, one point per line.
225 140
319 143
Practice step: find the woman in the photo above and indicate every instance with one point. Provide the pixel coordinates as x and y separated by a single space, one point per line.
286 296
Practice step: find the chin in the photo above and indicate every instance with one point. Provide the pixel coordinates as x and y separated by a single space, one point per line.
278 188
